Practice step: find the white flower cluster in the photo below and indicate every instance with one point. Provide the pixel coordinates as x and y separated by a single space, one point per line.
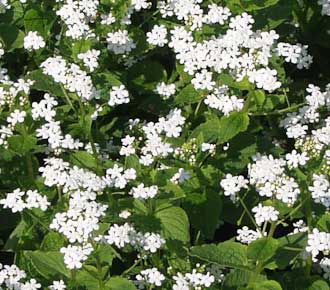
325 266
51 130
90 59
165 90
11 276
294 159
264 214
119 42
321 190
4 5
57 285
83 215
2 51
127 147
19 200
154 146
12 91
296 123
157 36
151 277
142 192
325 6
268 175
247 236
181 176
33 41
299 227
59 173
208 147
122 235
318 242
16 117
74 256
194 280
240 51
77 14
118 177
233 185
81 219
70 76
221 101
296 54
118 95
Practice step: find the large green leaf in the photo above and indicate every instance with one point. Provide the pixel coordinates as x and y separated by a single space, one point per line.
37 20
11 36
44 83
267 285
188 95
227 254
48 264
223 129
262 249
22 144
118 283
175 223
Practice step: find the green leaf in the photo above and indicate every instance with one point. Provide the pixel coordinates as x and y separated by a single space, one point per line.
288 250
188 95
208 209
175 223
118 283
52 242
224 129
22 144
227 254
88 278
318 285
232 125
324 222
262 249
267 285
11 36
44 83
83 159
48 264
36 20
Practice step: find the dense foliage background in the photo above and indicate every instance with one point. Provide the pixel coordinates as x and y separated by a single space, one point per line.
165 144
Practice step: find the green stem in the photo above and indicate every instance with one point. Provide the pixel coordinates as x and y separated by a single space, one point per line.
68 99
137 262
247 212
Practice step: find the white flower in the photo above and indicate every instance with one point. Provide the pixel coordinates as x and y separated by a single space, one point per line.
165 90
119 42
151 276
317 242
32 199
74 256
233 184
157 36
294 159
118 95
57 285
181 176
142 192
140 4
16 117
265 214
321 190
247 236
33 41
90 58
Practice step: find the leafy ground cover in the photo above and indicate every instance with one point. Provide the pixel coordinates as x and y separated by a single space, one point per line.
176 144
